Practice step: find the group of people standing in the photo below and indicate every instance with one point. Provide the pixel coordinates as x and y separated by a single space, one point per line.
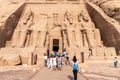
55 60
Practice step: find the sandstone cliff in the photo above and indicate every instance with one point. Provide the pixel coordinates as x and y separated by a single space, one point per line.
9 16
110 7
105 14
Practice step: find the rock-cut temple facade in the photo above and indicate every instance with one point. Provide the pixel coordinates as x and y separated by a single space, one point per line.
37 27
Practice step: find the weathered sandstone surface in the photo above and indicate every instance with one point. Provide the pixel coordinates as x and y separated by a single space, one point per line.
28 29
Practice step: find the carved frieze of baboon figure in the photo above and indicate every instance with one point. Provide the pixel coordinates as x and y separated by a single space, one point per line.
20 33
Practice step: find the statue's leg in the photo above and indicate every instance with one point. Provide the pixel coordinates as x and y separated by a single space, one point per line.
42 38
47 41
65 39
78 36
22 38
15 38
85 41
69 34
81 39
35 38
90 38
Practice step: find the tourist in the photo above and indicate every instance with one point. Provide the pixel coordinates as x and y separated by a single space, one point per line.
55 52
115 62
67 62
45 59
59 61
75 67
62 56
90 52
48 62
54 62
51 62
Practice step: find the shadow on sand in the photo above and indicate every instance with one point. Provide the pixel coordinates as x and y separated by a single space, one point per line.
70 77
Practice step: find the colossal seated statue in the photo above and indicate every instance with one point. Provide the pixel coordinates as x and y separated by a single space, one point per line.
40 31
69 27
88 28
20 32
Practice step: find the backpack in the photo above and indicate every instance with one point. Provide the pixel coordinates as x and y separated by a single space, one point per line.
74 66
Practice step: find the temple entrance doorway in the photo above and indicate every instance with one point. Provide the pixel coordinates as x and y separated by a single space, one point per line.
55 45
55 48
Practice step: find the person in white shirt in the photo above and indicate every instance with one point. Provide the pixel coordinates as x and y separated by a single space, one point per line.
51 62
45 59
115 62
54 62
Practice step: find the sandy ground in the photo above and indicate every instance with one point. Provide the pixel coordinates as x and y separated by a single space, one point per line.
102 70
17 72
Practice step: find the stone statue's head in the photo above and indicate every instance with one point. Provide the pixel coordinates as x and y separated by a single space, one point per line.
83 16
55 15
69 16
29 13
